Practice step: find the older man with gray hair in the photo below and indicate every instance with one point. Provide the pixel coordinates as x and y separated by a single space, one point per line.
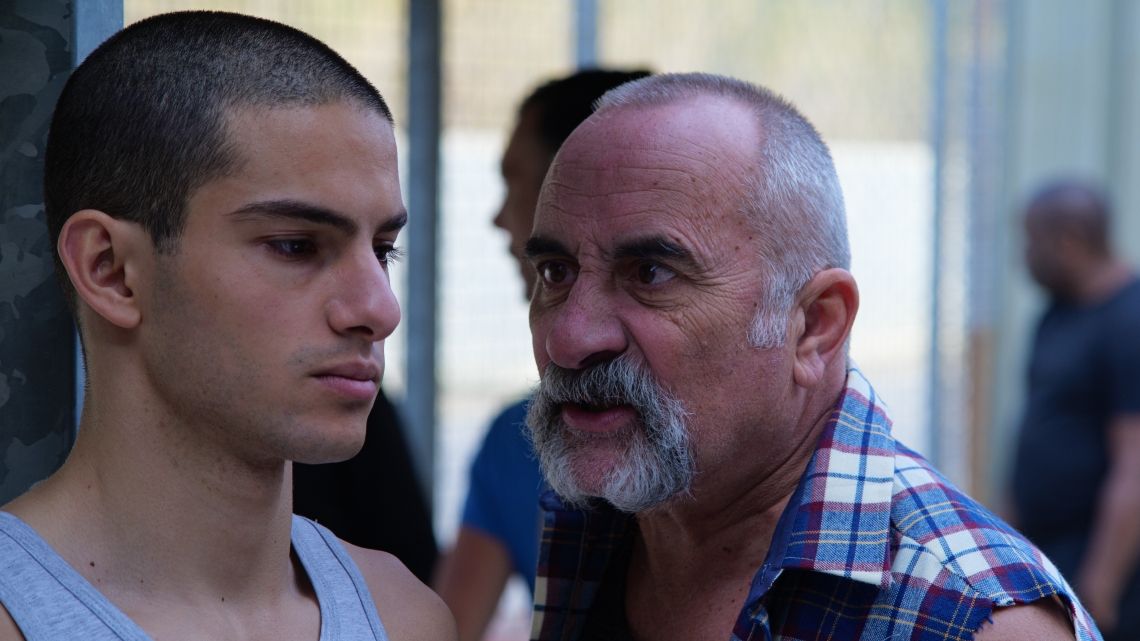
720 469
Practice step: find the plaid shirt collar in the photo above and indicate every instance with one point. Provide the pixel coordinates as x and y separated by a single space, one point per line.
851 473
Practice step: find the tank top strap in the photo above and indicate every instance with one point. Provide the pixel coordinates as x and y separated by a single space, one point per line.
347 609
47 598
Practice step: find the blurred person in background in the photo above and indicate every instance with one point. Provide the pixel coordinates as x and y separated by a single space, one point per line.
720 469
498 535
1076 481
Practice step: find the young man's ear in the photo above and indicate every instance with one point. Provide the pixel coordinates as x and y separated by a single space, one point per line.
103 257
827 305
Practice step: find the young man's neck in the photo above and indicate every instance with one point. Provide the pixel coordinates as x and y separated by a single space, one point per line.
145 506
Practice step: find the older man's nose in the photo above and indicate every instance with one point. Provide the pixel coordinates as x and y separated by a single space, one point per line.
585 331
364 304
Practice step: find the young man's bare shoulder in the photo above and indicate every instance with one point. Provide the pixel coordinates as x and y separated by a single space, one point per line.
9 631
409 610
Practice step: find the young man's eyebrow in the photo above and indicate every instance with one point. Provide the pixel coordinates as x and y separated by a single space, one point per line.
537 246
395 223
654 248
297 210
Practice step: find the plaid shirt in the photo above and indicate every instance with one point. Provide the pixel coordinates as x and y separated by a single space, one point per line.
874 544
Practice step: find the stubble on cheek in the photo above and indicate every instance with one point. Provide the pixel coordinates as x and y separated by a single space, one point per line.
218 379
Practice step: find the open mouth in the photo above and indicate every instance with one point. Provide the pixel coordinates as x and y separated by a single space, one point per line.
599 416
597 407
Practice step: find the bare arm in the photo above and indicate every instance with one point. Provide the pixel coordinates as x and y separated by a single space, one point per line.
9 631
1115 542
407 608
1041 620
471 580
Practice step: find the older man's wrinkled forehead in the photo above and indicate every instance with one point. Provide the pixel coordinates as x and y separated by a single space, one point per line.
693 157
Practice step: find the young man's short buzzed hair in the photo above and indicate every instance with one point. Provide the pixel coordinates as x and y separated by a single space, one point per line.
140 125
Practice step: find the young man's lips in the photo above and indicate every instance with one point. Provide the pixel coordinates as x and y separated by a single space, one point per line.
603 422
357 381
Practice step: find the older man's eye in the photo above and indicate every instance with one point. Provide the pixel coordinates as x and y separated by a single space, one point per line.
556 273
654 274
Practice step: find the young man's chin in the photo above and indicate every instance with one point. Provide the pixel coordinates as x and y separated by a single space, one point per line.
329 440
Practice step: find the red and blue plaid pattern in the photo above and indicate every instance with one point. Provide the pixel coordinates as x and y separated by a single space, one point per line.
874 545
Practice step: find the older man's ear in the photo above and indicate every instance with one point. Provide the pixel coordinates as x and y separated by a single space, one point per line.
824 312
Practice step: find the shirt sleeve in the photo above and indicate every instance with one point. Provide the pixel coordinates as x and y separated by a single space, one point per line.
480 511
496 473
1124 355
505 483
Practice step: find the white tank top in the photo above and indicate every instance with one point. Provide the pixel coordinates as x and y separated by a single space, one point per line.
50 601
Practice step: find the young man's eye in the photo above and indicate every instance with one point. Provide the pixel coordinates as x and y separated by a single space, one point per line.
293 247
649 274
388 254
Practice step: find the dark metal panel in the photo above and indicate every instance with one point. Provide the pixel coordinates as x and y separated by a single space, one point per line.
95 21
424 82
935 383
586 49
36 335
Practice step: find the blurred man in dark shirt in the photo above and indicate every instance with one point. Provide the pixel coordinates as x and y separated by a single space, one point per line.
1076 483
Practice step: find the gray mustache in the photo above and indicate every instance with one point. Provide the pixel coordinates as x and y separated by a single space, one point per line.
609 383
657 462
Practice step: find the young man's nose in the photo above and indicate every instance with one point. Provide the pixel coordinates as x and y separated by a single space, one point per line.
363 303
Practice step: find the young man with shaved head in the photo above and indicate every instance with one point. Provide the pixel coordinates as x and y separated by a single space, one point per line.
1076 480
223 198
720 468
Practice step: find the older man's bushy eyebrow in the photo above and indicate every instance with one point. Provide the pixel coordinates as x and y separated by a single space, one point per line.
654 248
537 246
307 212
